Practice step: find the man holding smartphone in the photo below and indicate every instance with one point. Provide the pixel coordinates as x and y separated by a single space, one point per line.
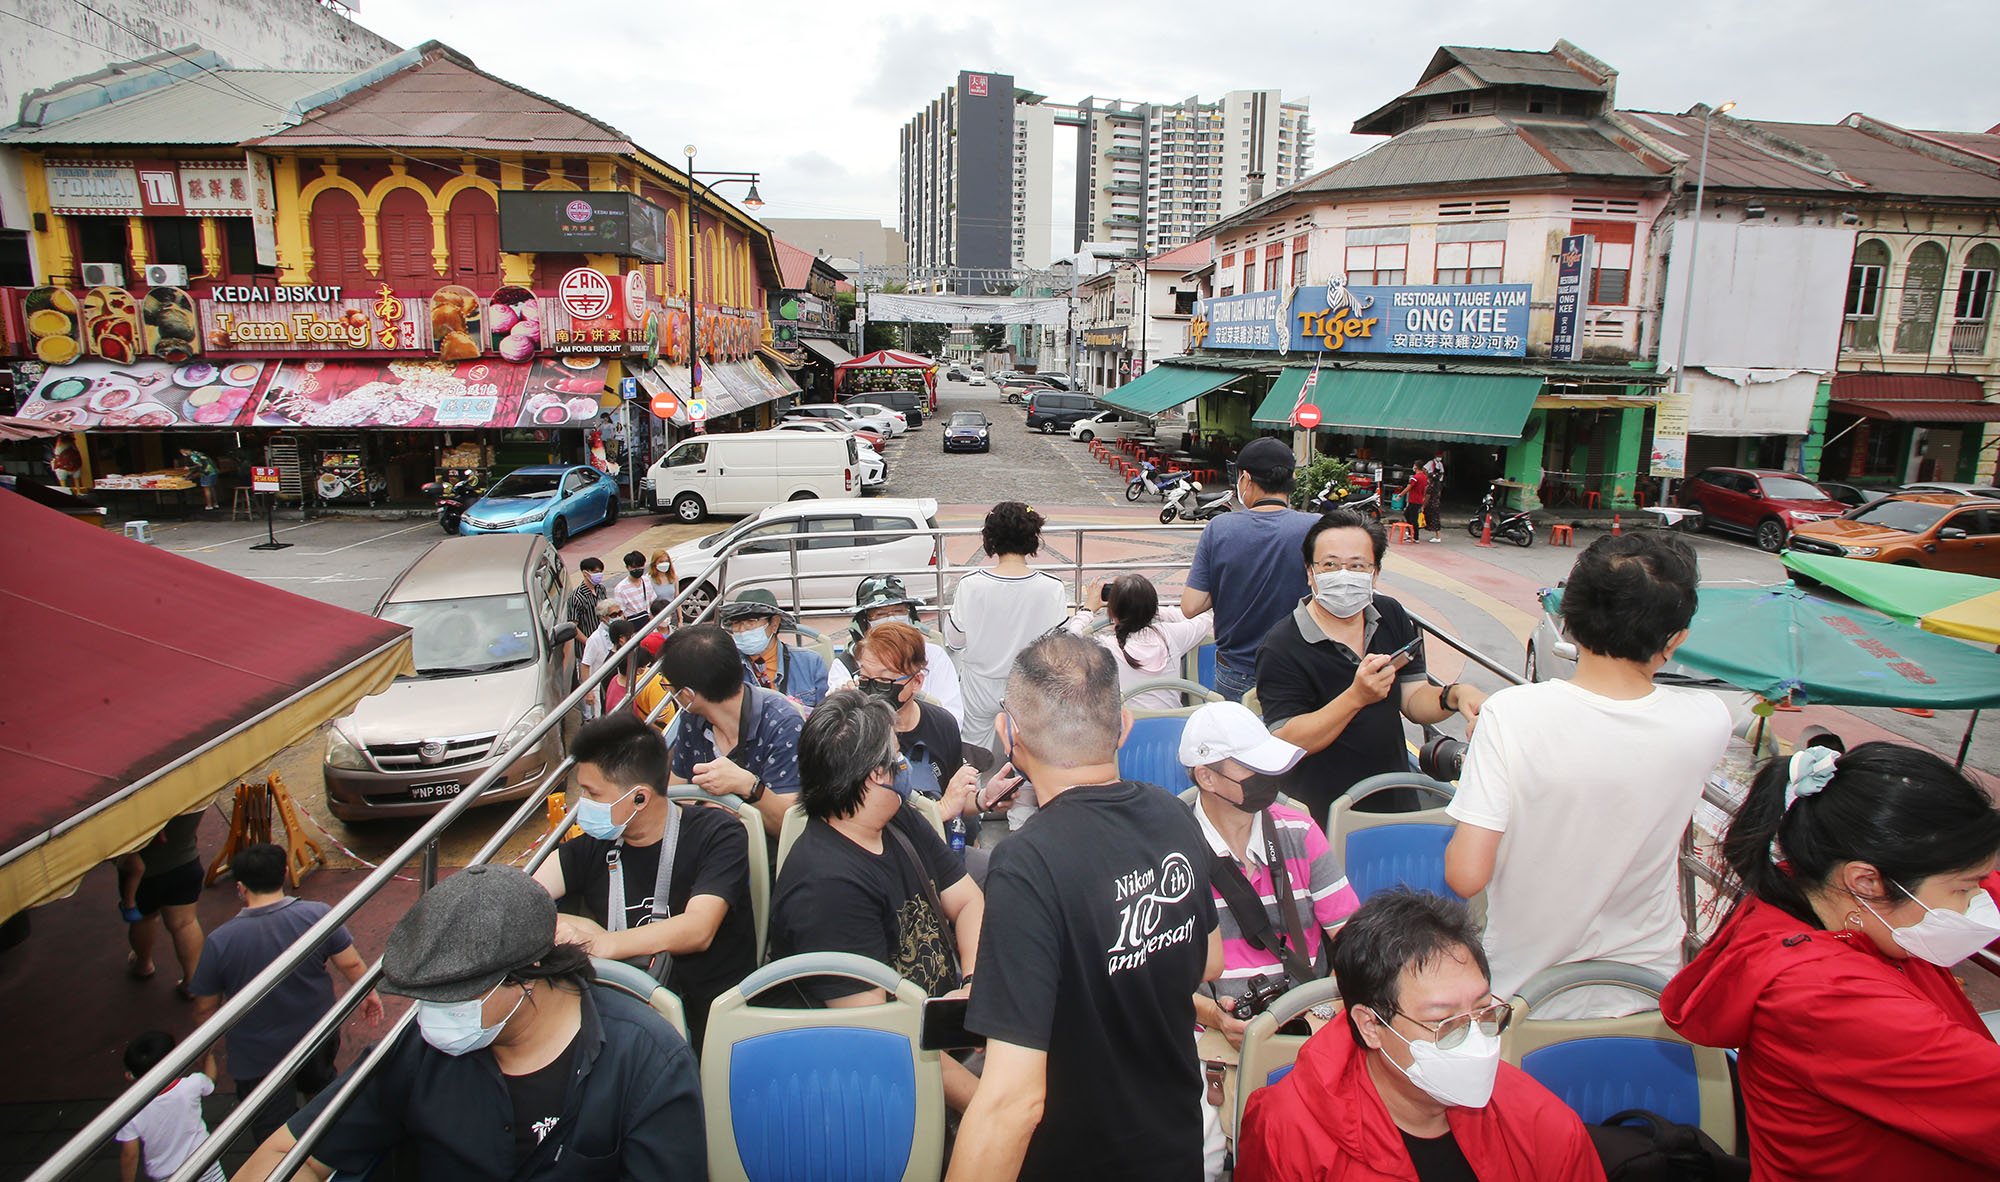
1338 676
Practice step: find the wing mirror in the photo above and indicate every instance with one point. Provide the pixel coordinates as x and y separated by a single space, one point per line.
562 634
1952 533
1566 650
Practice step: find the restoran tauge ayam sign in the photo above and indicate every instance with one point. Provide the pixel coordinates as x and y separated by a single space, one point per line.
1480 320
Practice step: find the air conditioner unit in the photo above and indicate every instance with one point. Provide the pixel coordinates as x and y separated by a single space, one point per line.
103 275
166 275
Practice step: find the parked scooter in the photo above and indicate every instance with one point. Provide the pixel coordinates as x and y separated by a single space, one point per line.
1346 496
455 494
1185 502
1509 525
1148 481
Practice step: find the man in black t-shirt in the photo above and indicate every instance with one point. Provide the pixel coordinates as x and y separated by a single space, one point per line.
706 927
869 875
1338 676
1101 929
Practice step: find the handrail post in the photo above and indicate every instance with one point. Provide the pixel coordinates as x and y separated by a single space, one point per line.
430 870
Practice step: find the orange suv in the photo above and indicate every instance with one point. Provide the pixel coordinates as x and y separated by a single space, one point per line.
1939 531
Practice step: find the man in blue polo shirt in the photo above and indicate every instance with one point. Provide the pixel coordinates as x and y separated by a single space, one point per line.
734 739
1246 566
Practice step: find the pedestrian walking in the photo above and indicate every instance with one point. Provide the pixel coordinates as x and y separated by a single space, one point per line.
160 883
588 594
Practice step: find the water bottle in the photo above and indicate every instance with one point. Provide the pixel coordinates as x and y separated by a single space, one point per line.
954 833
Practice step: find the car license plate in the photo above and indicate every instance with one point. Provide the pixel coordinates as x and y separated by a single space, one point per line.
435 791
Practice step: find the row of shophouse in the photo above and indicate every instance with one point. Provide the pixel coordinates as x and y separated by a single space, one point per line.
1505 277
365 278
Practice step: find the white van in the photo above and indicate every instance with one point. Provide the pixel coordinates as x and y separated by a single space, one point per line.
743 473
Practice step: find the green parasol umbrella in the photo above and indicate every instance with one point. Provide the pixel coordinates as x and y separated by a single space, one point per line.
1940 601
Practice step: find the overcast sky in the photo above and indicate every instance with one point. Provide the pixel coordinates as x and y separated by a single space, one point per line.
812 95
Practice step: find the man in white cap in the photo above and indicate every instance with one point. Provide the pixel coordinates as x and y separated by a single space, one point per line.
1265 848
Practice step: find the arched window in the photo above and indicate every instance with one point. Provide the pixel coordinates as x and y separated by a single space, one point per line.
1865 276
337 240
1923 290
1972 308
472 234
404 229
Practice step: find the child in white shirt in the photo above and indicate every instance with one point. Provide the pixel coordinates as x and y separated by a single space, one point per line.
168 1130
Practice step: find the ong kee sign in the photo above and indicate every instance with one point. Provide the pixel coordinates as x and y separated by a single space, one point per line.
1487 320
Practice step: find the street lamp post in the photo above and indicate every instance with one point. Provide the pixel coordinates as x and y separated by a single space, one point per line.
1694 243
751 199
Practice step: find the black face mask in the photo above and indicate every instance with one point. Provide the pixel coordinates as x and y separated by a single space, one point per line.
888 690
1259 792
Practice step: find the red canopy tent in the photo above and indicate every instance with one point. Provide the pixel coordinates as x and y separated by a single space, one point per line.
888 359
141 684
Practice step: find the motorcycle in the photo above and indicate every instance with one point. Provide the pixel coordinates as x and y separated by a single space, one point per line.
1509 525
1185 502
1148 481
1367 504
455 494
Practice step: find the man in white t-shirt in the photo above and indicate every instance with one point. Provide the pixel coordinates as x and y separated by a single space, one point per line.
1576 793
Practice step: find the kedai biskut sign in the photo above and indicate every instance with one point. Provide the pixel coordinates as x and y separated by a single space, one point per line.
1486 320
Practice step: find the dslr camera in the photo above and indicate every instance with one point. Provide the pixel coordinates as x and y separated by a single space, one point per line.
1257 997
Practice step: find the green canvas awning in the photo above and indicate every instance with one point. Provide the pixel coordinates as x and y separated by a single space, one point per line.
1166 386
1409 404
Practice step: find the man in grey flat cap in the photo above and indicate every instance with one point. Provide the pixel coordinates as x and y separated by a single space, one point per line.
589 1082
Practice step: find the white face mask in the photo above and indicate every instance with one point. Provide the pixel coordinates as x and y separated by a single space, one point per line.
453 1026
1946 937
1461 1077
1343 593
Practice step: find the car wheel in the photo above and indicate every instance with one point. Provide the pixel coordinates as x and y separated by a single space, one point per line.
1770 535
1084 437
689 508
558 532
1704 523
1049 428
803 495
697 600
1530 669
611 511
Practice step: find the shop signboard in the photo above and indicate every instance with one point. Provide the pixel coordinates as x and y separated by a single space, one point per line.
1480 320
265 480
161 188
263 208
103 394
432 395
1572 296
313 319
569 221
1670 435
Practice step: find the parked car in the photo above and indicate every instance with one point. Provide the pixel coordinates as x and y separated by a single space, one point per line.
913 405
494 651
1053 381
1853 495
1108 424
1764 504
976 379
1938 531
875 412
823 427
955 374
552 499
746 472
1956 488
968 430
1050 411
880 422
828 569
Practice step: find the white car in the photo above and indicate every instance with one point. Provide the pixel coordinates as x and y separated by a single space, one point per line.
1109 425
898 424
978 379
840 415
828 569
822 425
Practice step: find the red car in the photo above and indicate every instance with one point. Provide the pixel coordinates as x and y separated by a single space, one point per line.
1764 504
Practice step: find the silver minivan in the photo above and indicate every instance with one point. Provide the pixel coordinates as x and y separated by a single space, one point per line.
494 651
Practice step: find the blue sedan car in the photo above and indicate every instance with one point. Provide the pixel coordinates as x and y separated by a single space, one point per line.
553 499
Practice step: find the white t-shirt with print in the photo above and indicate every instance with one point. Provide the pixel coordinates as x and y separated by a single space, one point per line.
171 1127
1591 795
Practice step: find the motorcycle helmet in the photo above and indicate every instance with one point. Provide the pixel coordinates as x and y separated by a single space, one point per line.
878 591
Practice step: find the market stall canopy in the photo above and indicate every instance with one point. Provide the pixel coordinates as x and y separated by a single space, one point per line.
130 700
1408 404
887 359
1779 642
435 395
19 430
1940 601
1166 386
827 351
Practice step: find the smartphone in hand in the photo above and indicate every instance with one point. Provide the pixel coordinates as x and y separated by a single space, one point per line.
1406 654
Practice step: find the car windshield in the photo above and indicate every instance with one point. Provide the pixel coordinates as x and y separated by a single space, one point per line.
527 484
1911 517
968 418
1785 488
475 635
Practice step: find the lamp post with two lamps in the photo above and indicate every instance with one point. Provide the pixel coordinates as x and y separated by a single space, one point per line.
753 200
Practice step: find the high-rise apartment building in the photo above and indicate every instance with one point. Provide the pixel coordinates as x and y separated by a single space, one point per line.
1166 170
974 181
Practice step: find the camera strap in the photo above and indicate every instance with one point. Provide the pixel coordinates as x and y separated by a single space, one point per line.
1253 920
659 964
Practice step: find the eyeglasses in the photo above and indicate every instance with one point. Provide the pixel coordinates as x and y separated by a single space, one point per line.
1492 1021
1332 564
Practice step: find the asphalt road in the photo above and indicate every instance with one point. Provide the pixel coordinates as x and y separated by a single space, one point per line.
1042 470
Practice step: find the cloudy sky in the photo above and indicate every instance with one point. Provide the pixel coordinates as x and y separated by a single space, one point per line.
813 94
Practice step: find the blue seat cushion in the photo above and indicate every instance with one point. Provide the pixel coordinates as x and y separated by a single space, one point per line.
1600 1076
1152 753
1398 855
830 1103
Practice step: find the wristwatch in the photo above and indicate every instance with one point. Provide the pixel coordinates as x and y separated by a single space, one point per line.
755 794
1444 696
1323 1011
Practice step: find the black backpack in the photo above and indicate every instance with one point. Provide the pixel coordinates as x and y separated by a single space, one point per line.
1640 1146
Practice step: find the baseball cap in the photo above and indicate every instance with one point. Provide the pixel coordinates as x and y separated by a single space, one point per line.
1264 456
653 643
1227 730
467 933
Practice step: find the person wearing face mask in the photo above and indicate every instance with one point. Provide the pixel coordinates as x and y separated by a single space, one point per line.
880 598
245 946
753 619
634 592
1338 676
596 650
868 875
1866 877
1411 1085
663 885
660 571
732 739
521 1065
890 660
1264 849
589 594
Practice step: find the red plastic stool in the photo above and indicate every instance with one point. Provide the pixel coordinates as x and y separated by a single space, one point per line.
1590 500
1401 531
1562 535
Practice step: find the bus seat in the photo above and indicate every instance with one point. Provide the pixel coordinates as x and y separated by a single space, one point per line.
639 985
795 824
1267 1056
761 872
1381 850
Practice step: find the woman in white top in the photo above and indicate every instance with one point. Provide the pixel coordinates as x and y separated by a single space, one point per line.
1146 640
997 611
596 649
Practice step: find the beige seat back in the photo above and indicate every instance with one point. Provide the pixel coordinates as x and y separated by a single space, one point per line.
761 873
638 984
1266 1052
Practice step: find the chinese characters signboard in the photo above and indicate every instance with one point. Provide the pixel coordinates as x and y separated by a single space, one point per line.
154 188
1572 296
1489 320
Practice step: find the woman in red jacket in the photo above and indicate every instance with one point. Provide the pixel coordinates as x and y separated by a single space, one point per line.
1860 1056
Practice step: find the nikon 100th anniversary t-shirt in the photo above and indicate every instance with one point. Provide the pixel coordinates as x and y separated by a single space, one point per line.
1096 935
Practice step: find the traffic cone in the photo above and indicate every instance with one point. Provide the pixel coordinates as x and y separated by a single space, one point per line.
1486 531
1915 711
1616 531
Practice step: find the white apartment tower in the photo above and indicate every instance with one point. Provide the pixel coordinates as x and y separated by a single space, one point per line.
1034 166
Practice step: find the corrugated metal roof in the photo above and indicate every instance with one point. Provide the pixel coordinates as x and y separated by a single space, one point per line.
220 106
1194 254
1861 163
1893 387
1735 163
795 265
1886 167
1979 143
1520 67
445 103
1486 149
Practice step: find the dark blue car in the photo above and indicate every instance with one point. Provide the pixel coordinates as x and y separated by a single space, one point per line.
555 500
968 430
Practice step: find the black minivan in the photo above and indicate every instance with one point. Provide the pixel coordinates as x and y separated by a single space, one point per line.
1050 411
